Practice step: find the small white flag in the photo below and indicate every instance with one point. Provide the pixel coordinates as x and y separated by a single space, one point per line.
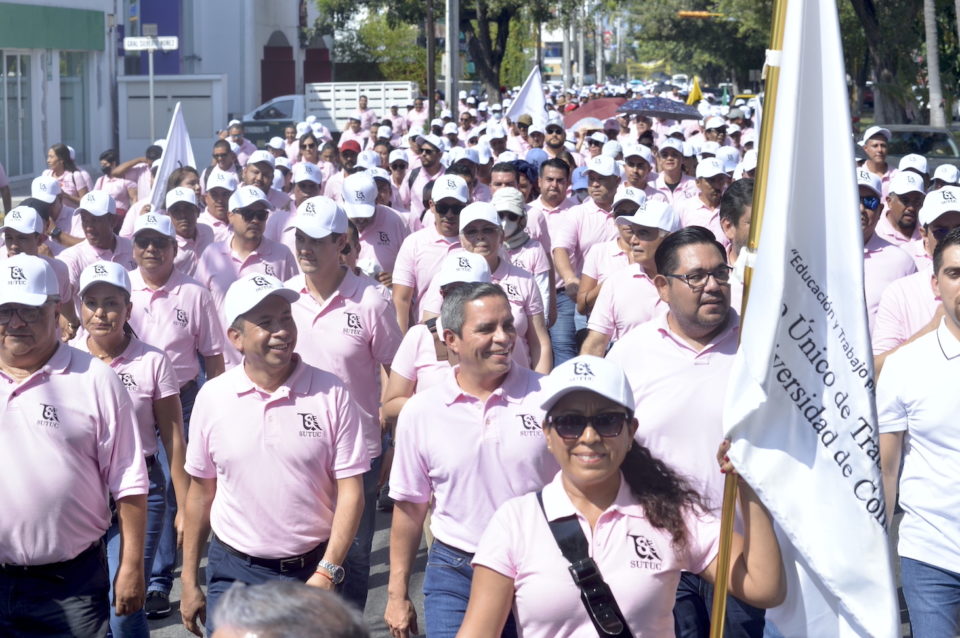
177 152
530 99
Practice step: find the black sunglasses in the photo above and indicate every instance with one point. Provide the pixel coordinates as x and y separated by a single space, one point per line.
142 242
249 214
571 426
505 214
449 209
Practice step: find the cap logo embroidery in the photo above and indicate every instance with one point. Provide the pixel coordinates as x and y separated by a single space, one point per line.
360 197
151 219
948 196
310 208
451 183
15 214
91 198
260 281
99 269
582 369
42 187
463 262
16 274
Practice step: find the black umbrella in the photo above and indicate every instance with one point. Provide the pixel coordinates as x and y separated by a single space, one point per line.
661 107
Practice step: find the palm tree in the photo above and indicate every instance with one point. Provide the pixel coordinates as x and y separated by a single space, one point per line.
937 116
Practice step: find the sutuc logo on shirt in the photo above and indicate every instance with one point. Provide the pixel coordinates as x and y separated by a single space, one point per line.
310 425
181 319
512 291
354 327
531 427
384 238
128 381
646 551
48 416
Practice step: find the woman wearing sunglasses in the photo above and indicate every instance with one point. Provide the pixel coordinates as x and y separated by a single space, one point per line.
642 524
481 234
148 376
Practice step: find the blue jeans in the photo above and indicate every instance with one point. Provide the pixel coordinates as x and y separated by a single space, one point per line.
563 332
63 599
357 565
160 577
691 612
446 590
933 599
135 625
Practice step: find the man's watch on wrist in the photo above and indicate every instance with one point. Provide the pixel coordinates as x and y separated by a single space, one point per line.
334 572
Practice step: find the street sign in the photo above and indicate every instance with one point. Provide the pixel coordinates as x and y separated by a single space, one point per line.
162 43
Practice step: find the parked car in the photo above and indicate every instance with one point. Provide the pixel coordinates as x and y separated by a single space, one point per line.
936 144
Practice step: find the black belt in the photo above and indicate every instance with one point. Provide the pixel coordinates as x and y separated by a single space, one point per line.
150 460
10 568
281 565
437 541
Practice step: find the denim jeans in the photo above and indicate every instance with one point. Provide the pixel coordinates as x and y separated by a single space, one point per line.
357 565
135 625
446 590
160 576
691 612
563 331
933 599
64 599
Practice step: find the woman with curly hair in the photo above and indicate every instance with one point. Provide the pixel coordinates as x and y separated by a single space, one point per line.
640 523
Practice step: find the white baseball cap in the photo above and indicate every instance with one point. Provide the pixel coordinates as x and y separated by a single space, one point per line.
709 148
939 202
98 204
458 153
945 173
654 213
281 162
730 157
508 198
875 130
598 137
378 173
222 179
537 127
23 219
398 155
156 222
602 165
629 194
749 162
463 267
384 132
276 143
436 122
484 211
452 186
906 182
246 196
674 143
710 167
507 156
578 180
714 122
359 193
638 150
260 156
368 159
247 292
495 131
430 139
587 372
305 172
28 280
914 161
179 194
319 216
612 149
869 180
45 188
450 128
107 272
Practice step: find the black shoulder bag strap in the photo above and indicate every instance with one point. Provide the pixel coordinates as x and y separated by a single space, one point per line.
595 594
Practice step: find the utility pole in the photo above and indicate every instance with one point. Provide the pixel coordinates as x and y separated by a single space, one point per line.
431 63
568 58
581 50
598 48
453 56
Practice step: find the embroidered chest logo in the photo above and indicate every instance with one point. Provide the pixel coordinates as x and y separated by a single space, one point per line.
128 381
531 427
180 318
646 551
269 270
353 326
310 425
512 291
384 238
48 416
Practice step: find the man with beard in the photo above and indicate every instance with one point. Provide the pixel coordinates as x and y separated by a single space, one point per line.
430 151
349 151
899 225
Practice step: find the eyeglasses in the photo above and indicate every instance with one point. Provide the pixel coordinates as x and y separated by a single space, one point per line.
144 242
27 314
307 147
220 156
449 209
554 130
505 214
250 214
571 426
870 202
427 151
399 166
698 280
594 143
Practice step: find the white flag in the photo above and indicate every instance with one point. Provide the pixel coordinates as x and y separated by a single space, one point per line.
177 152
800 404
530 99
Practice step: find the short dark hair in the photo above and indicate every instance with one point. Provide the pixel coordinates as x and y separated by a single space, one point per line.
109 156
506 167
177 176
221 144
952 239
666 255
308 136
154 151
459 169
735 199
556 162
427 194
453 313
42 207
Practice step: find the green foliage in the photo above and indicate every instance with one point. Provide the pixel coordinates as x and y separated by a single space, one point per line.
392 49
521 52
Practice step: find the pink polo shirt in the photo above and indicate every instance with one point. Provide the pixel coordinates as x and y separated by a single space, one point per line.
883 263
147 374
906 305
637 560
414 193
333 186
350 335
417 119
381 240
419 260
180 319
116 187
278 199
221 230
189 250
685 189
679 393
694 212
537 227
81 255
556 219
126 227
70 183
588 225
918 253
604 260
246 150
416 358
303 437
362 138
69 437
531 256
886 231
482 192
626 300
475 458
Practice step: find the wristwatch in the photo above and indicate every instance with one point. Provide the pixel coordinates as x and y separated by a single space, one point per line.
55 233
335 572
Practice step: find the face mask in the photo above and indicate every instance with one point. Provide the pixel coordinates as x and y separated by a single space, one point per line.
497 117
106 170
509 227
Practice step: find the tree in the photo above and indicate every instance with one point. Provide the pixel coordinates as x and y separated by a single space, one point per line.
937 116
393 50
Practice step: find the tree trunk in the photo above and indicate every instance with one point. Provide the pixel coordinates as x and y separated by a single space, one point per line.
487 50
937 117
887 107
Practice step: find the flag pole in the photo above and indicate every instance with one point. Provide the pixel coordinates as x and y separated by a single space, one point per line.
771 82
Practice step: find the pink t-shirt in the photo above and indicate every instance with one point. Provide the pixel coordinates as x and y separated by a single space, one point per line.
638 561
906 305
479 455
417 119
276 457
246 150
531 257
918 253
350 335
69 437
333 186
685 189
189 250
604 260
362 138
70 183
626 300
180 319
81 255
381 240
221 230
416 359
126 227
116 187
147 374
886 231
556 219
588 225
694 212
419 260
883 263
414 193
680 392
